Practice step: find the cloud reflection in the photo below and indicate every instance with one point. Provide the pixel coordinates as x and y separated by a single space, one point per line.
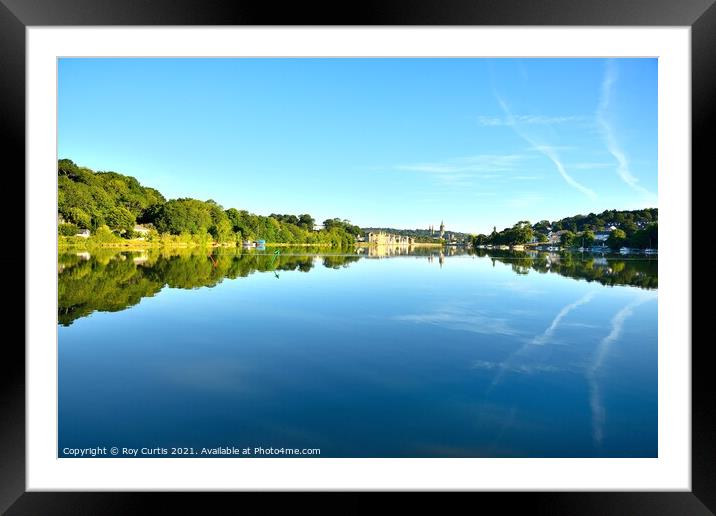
508 366
549 332
596 401
454 318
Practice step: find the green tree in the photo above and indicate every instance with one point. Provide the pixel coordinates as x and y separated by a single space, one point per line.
68 229
306 222
104 234
567 239
79 217
120 219
616 239
587 238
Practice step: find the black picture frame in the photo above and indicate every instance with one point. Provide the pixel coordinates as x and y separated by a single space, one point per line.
17 15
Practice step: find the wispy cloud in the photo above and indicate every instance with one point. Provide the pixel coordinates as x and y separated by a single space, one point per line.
549 151
493 121
595 398
589 166
482 163
608 133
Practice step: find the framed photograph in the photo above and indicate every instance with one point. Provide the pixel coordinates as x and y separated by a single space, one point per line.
420 252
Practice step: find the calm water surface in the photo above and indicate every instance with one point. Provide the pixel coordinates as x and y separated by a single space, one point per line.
421 354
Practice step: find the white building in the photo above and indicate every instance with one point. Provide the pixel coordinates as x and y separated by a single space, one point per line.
141 230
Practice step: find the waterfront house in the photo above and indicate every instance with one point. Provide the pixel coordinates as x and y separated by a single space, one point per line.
84 233
554 237
141 230
381 238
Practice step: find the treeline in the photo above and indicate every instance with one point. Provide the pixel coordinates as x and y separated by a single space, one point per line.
637 229
89 200
520 233
110 205
627 221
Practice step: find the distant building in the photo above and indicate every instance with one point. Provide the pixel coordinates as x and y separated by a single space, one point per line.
555 237
442 228
381 238
84 233
142 230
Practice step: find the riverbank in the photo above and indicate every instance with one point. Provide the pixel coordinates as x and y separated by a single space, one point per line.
129 244
136 243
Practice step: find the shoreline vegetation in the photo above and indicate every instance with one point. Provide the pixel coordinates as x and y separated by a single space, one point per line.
611 229
71 243
112 210
108 209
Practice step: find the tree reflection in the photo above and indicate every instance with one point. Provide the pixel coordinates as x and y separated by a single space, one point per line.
608 270
110 280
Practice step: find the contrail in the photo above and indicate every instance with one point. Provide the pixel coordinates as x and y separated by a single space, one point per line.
610 140
547 151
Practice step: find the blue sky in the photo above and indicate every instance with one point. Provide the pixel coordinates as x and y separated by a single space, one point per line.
382 142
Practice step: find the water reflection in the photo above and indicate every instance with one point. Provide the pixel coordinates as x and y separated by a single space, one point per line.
596 401
547 335
384 251
110 280
509 366
605 269
440 352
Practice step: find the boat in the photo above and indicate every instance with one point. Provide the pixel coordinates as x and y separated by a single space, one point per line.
248 243
651 251
624 250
